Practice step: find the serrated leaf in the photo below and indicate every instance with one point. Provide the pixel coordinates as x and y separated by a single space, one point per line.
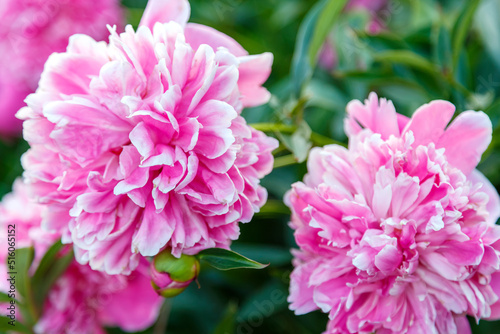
326 19
18 327
462 28
223 259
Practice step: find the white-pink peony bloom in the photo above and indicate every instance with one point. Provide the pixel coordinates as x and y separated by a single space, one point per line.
82 300
138 145
30 30
397 233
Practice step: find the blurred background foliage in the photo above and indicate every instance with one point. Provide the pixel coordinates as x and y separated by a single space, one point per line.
428 49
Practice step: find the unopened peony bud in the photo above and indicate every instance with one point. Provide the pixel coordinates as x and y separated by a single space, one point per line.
170 275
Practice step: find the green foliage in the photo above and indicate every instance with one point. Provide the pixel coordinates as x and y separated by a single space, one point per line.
223 259
52 265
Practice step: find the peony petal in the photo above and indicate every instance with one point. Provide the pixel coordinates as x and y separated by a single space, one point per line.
153 233
146 305
163 11
462 324
466 139
429 121
379 116
254 71
197 34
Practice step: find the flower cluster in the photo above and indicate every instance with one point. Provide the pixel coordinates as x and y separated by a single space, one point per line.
30 30
397 233
138 145
81 300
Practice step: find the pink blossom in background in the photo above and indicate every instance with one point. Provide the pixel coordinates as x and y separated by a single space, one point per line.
30 30
141 146
328 57
82 300
397 233
370 5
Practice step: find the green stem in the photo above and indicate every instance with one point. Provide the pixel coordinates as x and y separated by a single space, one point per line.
282 148
274 127
321 140
286 160
274 206
162 323
316 138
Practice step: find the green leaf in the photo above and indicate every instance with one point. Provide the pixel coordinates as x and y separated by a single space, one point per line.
325 95
4 298
284 160
223 259
135 3
24 258
408 58
299 143
423 13
385 40
18 327
278 256
54 267
228 322
328 16
47 261
442 47
462 28
302 70
487 22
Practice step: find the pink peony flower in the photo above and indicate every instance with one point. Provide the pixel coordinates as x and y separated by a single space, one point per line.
30 30
397 233
141 146
81 300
